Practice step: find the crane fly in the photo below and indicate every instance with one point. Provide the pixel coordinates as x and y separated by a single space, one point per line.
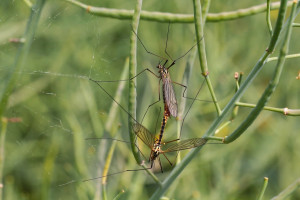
155 144
169 97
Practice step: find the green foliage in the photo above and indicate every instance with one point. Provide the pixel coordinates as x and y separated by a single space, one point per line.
59 107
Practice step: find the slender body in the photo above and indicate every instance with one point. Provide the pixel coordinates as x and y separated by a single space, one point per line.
169 97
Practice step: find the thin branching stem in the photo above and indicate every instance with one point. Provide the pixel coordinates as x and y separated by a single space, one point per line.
285 111
263 189
22 53
274 81
205 9
132 83
288 191
124 14
268 18
201 51
132 86
2 153
297 55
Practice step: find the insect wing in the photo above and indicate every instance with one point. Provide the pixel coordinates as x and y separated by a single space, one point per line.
186 144
146 136
170 97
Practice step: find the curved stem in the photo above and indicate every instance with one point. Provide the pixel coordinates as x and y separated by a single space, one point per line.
132 83
201 51
124 14
275 79
285 111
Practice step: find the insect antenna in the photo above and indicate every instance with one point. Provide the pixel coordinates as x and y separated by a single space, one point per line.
167 43
146 48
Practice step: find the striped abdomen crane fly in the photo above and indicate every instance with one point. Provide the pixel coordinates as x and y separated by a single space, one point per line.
154 143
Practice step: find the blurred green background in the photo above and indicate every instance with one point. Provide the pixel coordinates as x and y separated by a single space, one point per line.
59 108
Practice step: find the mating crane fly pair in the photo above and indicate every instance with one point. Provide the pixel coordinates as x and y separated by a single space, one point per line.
152 141
170 109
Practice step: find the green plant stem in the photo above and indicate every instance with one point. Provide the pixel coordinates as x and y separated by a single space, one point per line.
296 24
205 9
268 17
263 189
288 56
133 85
201 51
274 81
2 153
119 195
214 138
106 168
285 111
124 14
21 55
187 159
288 191
133 82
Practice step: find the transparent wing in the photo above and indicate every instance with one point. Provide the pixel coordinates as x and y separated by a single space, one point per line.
146 136
170 97
186 144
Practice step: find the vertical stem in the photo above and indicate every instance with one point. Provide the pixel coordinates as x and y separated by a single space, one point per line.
268 17
206 5
106 168
132 83
201 51
2 153
22 53
263 189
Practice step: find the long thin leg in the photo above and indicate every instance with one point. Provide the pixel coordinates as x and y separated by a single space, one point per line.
167 159
184 54
99 177
171 141
185 88
95 138
190 107
147 69
154 102
161 169
167 43
157 119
